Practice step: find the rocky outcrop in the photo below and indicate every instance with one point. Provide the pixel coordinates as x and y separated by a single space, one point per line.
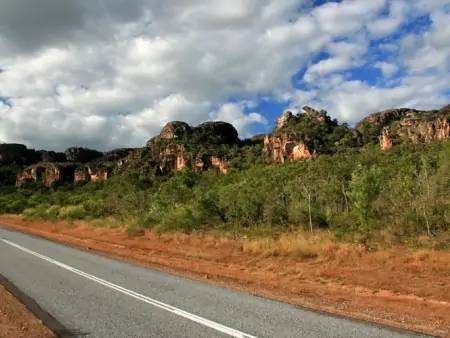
386 139
284 119
220 164
200 148
380 119
47 174
92 173
407 125
81 175
281 148
295 137
315 115
81 155
422 130
300 151
99 173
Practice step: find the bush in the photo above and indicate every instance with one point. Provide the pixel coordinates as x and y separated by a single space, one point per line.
73 212
180 218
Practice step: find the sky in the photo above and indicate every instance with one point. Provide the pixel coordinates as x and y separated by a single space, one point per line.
110 73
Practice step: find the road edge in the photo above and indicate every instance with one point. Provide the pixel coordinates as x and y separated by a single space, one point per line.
46 318
218 283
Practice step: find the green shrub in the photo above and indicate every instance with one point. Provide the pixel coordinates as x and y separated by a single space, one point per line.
73 212
180 218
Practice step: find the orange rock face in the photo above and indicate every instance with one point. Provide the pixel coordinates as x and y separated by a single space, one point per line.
282 148
284 119
81 175
46 174
301 151
386 139
181 160
98 174
221 165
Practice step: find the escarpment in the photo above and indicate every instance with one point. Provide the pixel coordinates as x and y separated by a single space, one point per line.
199 148
216 146
406 125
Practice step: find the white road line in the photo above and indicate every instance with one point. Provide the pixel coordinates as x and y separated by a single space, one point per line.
206 322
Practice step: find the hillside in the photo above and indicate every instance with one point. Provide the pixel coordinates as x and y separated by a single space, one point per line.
384 181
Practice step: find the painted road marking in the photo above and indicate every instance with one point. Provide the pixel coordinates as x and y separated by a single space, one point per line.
200 320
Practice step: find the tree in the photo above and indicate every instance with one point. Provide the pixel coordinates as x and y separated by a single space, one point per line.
365 187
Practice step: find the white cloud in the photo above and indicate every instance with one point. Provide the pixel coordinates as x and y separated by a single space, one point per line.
106 73
234 113
388 69
398 12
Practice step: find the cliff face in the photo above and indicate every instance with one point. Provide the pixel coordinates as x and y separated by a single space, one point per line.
284 147
298 136
47 174
75 170
200 148
212 145
407 125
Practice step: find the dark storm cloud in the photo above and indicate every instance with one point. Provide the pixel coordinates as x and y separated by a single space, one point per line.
26 26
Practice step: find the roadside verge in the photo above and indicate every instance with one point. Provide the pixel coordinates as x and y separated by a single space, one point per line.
399 288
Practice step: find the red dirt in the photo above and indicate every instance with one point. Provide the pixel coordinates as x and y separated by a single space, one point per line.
16 321
397 287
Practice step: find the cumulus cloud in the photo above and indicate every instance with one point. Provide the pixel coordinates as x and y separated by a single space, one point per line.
234 113
110 73
388 69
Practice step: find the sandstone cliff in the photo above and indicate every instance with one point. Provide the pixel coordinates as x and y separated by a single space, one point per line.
215 145
200 148
299 136
406 125
47 174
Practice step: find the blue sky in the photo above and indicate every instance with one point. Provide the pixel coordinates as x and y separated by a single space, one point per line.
107 74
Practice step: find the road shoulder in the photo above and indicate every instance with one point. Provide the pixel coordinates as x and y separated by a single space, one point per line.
16 320
309 284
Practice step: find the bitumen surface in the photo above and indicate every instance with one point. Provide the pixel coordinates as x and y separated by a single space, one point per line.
94 296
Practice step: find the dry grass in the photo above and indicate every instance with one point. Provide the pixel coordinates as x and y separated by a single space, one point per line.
298 244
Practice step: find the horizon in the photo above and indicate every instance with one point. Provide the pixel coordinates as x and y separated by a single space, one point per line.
295 112
106 75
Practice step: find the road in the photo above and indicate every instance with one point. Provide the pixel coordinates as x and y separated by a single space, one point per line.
94 296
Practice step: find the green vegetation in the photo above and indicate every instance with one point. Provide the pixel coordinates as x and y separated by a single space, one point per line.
360 194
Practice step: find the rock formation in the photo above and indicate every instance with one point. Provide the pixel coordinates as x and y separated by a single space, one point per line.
99 173
386 139
293 139
422 130
315 115
285 147
181 146
81 175
407 125
47 174
220 164
211 145
284 119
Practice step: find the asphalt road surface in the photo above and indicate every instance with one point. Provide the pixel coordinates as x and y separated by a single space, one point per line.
94 296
